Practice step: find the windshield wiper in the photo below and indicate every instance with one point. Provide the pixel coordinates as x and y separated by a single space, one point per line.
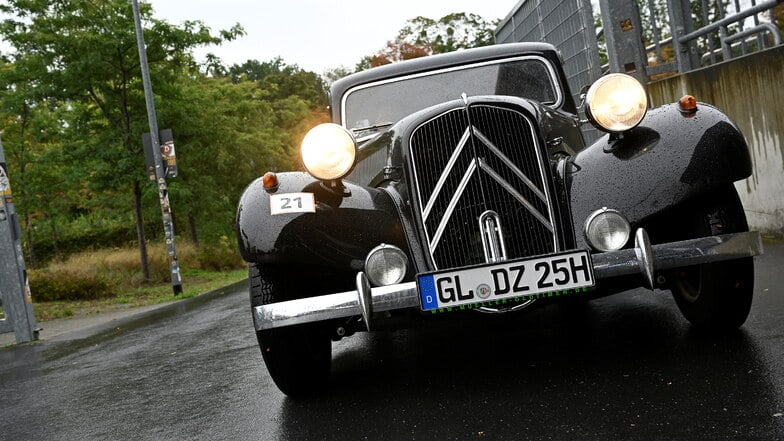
373 127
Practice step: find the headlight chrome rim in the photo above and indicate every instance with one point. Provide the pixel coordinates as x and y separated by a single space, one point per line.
328 151
385 251
619 93
603 213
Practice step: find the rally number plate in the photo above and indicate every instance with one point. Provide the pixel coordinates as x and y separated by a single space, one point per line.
287 203
493 284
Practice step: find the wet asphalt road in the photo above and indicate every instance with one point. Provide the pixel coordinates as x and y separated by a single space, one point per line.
620 368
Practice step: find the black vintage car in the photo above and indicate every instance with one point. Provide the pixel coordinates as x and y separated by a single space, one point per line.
461 184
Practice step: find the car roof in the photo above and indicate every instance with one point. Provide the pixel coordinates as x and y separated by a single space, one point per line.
440 61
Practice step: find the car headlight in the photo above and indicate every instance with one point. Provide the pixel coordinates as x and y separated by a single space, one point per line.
328 151
616 103
607 230
386 265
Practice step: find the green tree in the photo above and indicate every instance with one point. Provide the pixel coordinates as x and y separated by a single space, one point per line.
84 52
449 33
422 36
280 80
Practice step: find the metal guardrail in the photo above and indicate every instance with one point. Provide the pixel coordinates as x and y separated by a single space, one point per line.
687 37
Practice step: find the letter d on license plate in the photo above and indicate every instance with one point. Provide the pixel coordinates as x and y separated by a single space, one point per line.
492 284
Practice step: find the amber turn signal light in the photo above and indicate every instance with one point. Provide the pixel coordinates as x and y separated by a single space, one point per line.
270 182
688 104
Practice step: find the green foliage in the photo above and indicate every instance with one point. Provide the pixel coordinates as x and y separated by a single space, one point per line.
72 112
221 256
48 286
423 36
449 33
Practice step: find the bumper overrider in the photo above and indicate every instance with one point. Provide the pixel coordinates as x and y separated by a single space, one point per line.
644 259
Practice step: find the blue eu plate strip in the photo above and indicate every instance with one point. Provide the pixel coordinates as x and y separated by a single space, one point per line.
427 291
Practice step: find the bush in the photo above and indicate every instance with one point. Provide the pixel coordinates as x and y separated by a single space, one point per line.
219 257
95 274
52 285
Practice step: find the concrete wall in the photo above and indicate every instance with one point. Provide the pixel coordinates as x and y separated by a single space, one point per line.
751 91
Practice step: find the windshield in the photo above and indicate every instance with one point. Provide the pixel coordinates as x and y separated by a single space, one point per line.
379 104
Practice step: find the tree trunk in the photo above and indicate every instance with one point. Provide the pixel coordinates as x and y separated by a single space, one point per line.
137 196
192 225
53 229
29 241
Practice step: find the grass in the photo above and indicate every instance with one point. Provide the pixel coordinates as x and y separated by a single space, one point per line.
195 282
116 274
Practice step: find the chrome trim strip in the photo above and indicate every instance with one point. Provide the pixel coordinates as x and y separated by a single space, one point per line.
542 167
492 237
447 170
452 203
489 144
405 295
520 198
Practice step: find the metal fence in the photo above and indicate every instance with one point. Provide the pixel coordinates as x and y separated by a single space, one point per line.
683 35
569 26
679 35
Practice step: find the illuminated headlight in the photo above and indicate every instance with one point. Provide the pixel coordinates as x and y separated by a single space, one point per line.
616 103
386 265
607 230
328 151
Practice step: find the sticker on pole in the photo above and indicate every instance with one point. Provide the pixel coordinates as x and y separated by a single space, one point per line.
5 184
287 203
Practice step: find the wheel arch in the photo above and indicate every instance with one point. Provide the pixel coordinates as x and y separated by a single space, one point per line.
339 234
670 159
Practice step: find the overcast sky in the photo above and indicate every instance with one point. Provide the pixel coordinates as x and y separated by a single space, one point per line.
315 35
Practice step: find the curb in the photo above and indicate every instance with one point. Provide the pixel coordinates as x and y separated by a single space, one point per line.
101 329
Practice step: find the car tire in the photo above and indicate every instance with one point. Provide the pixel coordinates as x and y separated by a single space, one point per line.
298 357
716 296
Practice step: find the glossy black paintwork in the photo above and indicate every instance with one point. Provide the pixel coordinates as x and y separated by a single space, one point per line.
339 234
668 159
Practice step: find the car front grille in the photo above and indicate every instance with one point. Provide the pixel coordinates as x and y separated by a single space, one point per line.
479 159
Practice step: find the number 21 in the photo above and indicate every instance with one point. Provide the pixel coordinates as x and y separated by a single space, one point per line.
286 203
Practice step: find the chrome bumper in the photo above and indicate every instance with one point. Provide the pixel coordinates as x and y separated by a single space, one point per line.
644 259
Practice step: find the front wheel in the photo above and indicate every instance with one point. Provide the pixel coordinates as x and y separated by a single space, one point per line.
716 296
298 357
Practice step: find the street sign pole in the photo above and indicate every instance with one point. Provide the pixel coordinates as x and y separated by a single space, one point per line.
14 287
159 172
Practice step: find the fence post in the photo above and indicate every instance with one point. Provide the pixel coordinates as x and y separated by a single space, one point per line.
14 288
623 32
681 24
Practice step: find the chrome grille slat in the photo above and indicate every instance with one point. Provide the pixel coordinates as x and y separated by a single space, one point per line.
514 169
500 167
447 171
452 203
513 192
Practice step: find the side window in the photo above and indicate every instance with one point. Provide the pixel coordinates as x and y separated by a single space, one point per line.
526 79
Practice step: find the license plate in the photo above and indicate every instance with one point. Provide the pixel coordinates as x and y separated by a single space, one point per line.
493 284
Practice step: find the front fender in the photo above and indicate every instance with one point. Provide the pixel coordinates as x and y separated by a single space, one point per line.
338 235
669 158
